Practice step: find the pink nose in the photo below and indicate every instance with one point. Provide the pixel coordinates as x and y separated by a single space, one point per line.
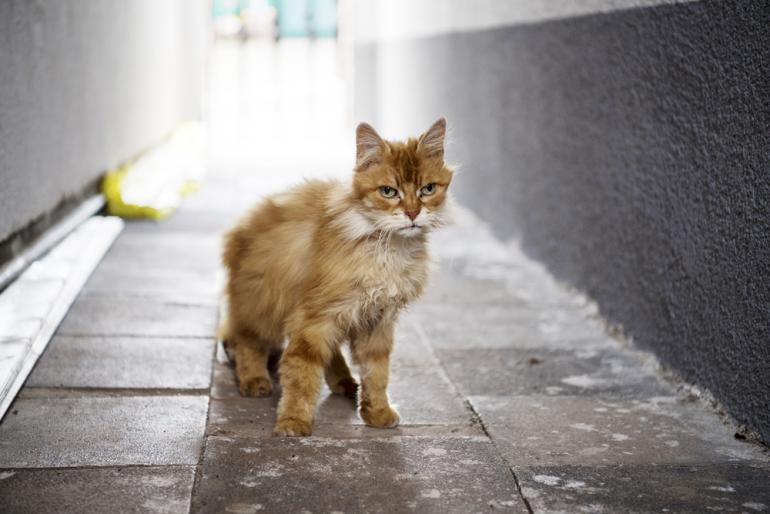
412 214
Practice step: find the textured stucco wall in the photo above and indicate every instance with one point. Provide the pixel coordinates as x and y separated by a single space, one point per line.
84 86
630 152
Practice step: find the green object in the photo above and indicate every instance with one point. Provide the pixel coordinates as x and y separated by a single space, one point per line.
307 18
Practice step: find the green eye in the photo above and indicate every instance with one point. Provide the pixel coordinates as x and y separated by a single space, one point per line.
428 189
387 191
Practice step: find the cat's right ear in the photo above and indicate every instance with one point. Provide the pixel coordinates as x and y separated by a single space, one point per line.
369 147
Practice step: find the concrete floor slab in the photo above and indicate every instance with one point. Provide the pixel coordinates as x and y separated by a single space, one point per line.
488 260
735 488
410 349
425 397
188 220
223 383
164 282
421 395
448 286
595 372
336 417
124 362
173 249
550 431
116 490
33 306
109 315
245 417
457 286
229 199
330 475
69 432
455 326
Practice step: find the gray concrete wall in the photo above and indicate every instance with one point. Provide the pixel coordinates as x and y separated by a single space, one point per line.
629 150
84 86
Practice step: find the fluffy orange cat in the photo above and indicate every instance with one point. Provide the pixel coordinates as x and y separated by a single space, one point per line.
327 263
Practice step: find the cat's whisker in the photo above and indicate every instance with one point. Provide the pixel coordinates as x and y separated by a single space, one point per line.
387 242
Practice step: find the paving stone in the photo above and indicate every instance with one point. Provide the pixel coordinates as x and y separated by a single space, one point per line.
223 381
336 417
447 286
496 326
483 312
69 432
647 488
452 287
233 198
166 282
177 249
329 475
607 373
464 251
411 350
13 352
99 315
249 417
124 362
562 430
188 220
421 396
115 490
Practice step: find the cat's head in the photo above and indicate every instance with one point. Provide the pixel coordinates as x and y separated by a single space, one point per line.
402 187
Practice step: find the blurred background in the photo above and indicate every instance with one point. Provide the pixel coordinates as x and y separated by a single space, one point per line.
622 143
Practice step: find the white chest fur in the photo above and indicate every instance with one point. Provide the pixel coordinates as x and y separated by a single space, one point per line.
396 275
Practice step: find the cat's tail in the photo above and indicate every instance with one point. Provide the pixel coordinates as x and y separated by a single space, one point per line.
223 331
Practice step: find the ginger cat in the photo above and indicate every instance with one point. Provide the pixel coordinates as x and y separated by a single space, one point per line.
327 263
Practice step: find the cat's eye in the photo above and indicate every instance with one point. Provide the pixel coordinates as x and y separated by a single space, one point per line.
428 190
387 191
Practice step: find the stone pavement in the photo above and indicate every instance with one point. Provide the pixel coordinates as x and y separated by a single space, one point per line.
512 396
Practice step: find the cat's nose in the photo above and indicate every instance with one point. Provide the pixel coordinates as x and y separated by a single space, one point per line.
412 214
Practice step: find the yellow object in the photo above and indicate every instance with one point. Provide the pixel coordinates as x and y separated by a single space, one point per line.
153 185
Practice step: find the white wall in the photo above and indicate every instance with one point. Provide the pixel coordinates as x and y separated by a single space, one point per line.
86 85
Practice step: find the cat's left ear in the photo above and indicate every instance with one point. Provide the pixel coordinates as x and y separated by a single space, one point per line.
432 142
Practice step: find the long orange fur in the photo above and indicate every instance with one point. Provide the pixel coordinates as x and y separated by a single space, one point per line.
328 263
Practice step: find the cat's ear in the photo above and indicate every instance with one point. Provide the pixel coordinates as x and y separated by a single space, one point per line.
369 147
432 142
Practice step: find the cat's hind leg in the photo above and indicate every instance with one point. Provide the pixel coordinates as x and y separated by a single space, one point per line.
251 358
338 376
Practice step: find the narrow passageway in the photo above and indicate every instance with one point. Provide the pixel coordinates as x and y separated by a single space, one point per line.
511 394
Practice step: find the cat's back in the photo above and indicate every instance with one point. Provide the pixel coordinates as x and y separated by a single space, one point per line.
282 225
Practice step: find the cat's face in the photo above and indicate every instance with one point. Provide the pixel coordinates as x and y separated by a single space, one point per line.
402 187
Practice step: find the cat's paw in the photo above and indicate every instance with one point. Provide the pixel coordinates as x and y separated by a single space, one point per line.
292 427
346 387
381 418
258 387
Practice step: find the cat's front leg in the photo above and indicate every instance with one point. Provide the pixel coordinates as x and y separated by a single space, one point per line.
372 353
301 369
